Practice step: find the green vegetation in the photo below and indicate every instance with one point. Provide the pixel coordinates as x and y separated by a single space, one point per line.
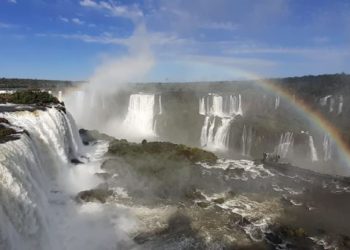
29 97
162 169
162 151
15 83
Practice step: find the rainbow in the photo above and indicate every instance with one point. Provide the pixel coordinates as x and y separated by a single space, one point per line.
313 116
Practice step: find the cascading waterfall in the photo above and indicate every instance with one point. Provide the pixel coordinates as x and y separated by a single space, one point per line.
37 180
277 102
247 140
327 148
340 104
324 100
285 144
220 141
211 132
60 96
204 132
202 107
140 116
331 105
219 110
313 151
160 105
334 103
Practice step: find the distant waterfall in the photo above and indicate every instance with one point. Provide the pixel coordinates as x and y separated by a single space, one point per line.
277 102
340 104
211 134
60 97
327 148
220 110
247 139
221 106
313 150
334 103
221 136
204 132
285 144
324 100
160 105
202 110
140 116
331 105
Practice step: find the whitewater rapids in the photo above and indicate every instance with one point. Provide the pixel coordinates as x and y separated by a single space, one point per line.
38 183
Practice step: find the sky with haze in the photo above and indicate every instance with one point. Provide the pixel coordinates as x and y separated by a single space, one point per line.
190 40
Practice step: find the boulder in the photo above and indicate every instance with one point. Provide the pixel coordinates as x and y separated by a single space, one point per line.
94 195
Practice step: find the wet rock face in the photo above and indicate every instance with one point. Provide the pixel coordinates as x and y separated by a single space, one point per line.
6 133
94 195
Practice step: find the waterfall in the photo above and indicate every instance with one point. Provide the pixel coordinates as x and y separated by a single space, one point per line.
220 110
60 97
313 150
140 116
285 144
244 139
37 182
221 136
329 99
340 104
217 107
211 138
64 138
277 102
235 105
202 106
27 167
327 148
204 132
247 139
331 105
160 105
324 100
221 106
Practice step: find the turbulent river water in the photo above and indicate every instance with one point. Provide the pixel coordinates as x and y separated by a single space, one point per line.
233 204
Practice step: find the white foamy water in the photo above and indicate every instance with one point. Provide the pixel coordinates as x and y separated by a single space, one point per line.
277 102
327 148
247 140
314 156
285 144
38 182
251 170
220 110
140 116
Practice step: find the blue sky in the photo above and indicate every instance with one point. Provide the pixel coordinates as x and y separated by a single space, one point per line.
190 40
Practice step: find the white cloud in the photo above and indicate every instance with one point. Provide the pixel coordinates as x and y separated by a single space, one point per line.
228 26
300 51
103 39
154 39
88 3
12 1
132 12
64 19
77 21
6 25
74 20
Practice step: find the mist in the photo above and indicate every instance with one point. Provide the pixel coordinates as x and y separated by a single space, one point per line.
93 104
